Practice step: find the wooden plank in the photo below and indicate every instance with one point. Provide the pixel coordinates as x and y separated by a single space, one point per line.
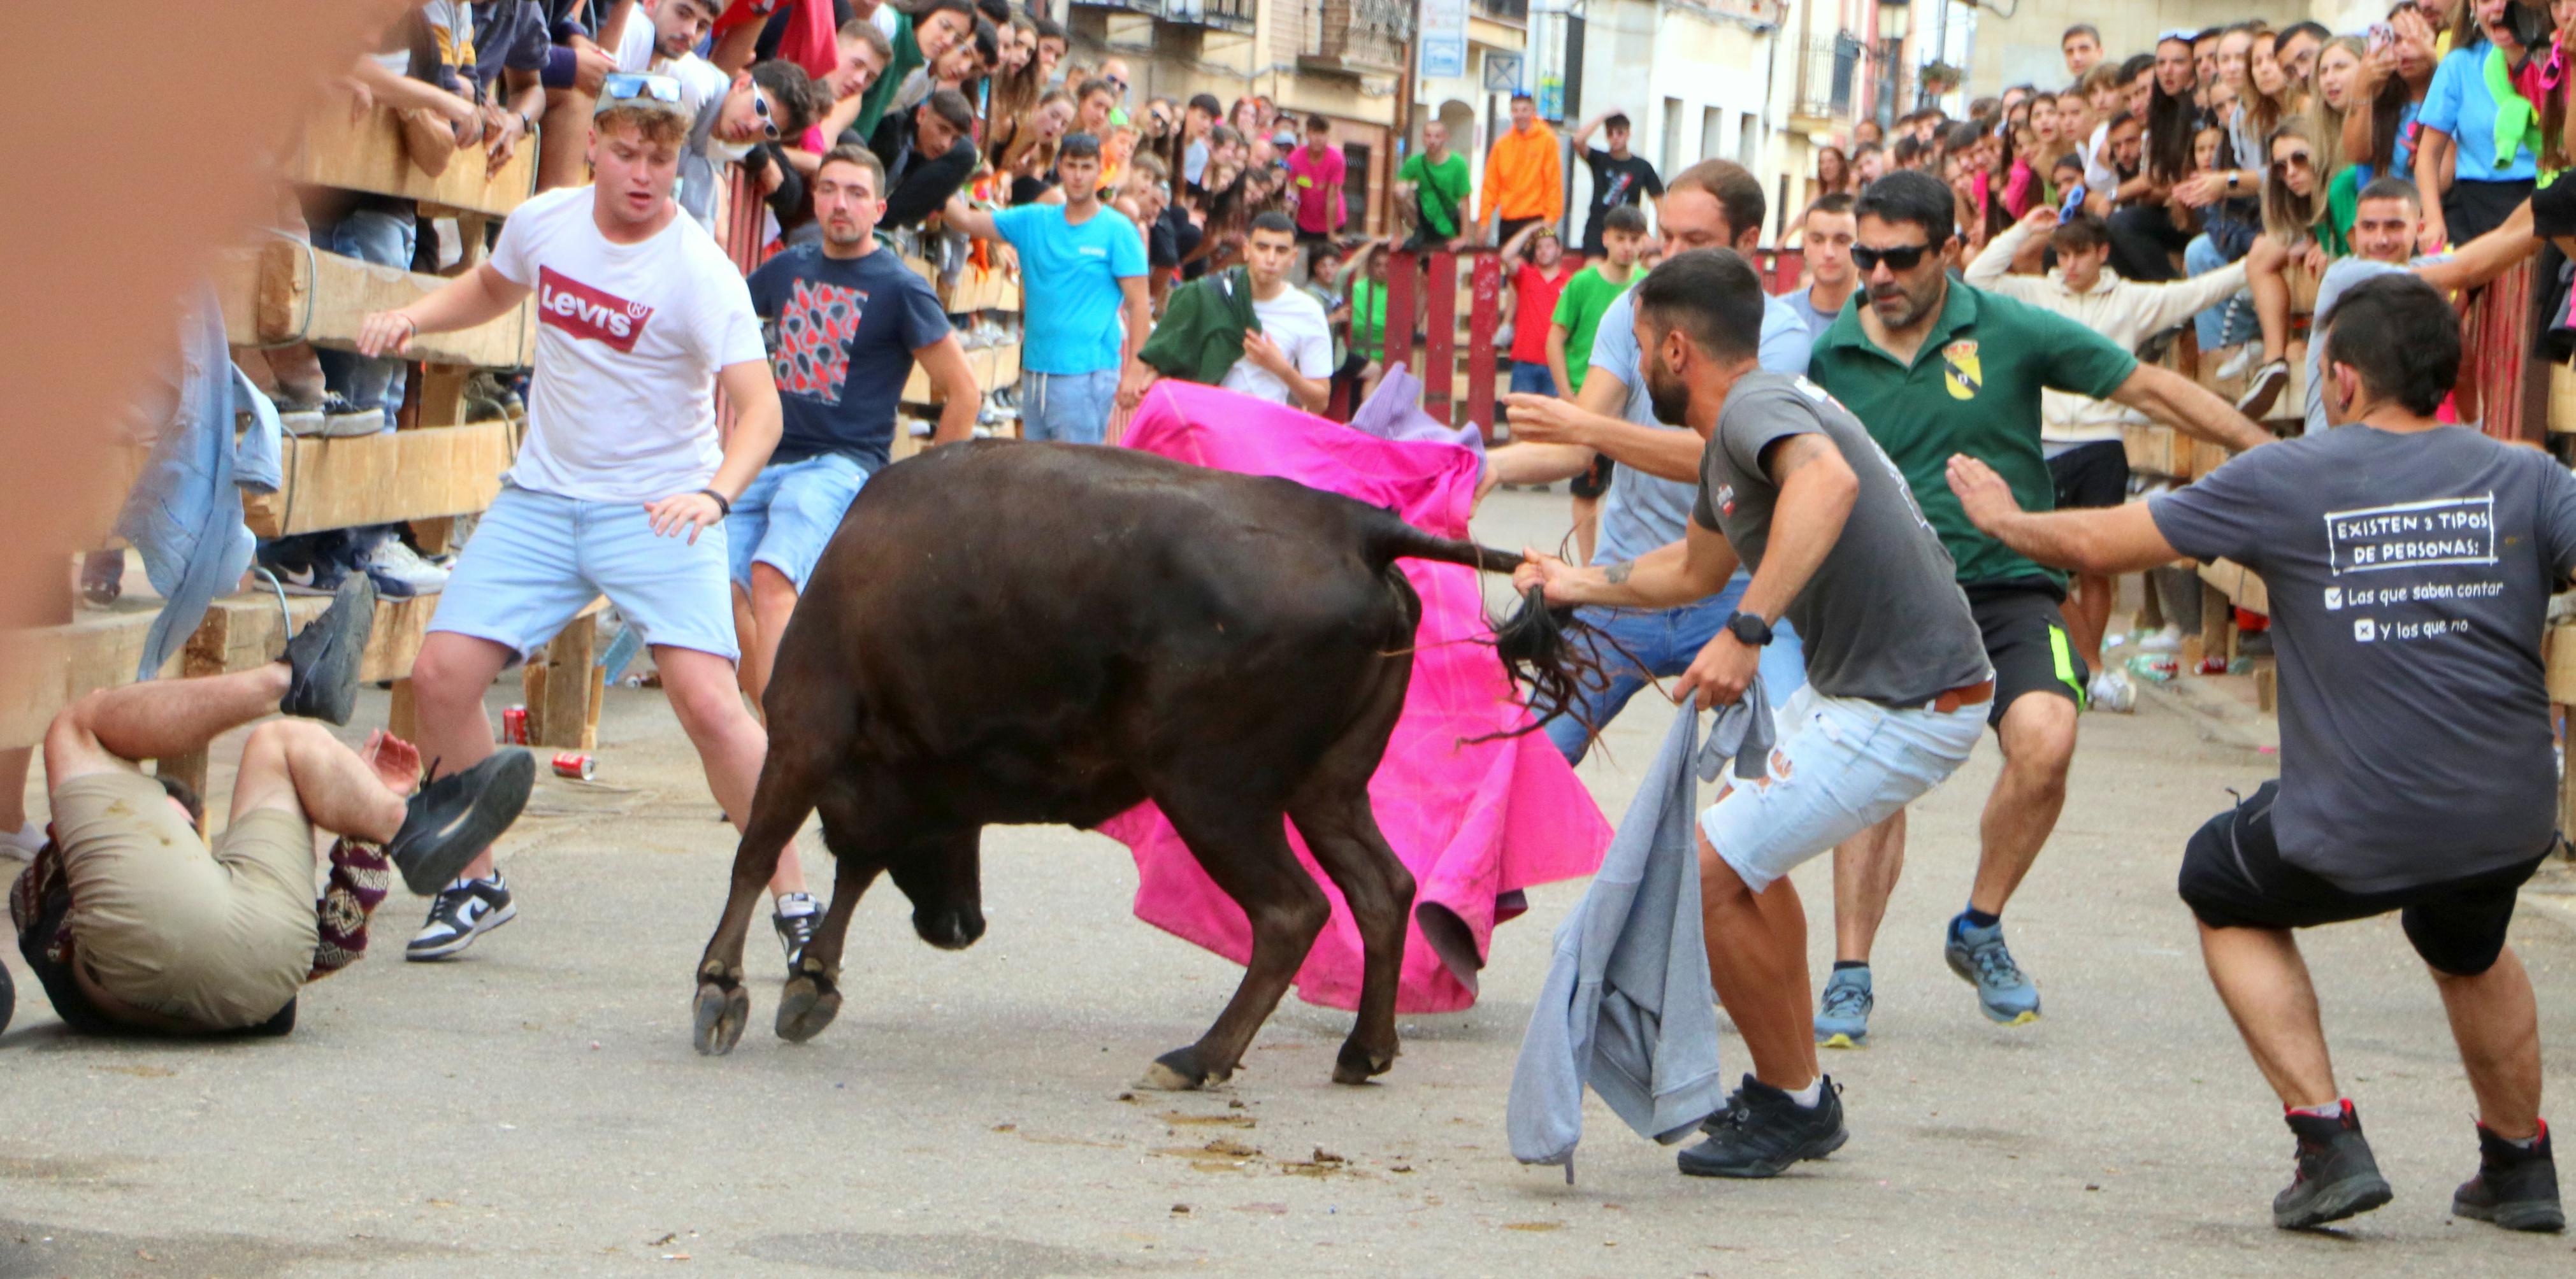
277 292
382 478
45 669
2239 584
2157 450
557 686
367 153
2562 399
247 630
2217 626
2558 647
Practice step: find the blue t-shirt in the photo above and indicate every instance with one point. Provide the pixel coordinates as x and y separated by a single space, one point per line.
1072 274
2458 104
1642 511
841 333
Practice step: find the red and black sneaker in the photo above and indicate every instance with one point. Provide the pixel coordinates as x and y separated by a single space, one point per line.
2335 1177
2515 1188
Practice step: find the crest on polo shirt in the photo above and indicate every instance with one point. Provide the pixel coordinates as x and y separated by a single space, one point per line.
1960 369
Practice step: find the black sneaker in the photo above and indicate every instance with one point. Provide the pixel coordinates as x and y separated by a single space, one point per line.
452 819
2515 1188
2335 1177
1764 1130
323 658
796 928
465 910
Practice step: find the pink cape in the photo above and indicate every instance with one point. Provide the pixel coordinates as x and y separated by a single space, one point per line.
1475 823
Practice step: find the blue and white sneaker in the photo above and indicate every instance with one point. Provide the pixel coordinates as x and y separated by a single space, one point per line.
464 910
1842 1016
1982 960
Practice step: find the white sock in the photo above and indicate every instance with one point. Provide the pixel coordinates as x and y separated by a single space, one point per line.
2330 1110
1810 1095
793 905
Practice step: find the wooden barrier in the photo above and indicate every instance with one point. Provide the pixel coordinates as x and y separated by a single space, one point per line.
995 367
365 152
383 478
281 291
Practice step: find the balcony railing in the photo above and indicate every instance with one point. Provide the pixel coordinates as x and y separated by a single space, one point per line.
1829 74
1231 15
1356 35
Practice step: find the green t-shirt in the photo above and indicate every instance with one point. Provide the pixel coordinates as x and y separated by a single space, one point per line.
1974 389
907 55
1441 190
1368 318
1578 312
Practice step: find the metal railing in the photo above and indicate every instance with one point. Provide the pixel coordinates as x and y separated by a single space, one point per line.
1829 77
1357 34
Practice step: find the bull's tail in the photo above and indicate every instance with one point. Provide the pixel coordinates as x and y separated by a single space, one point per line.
1532 642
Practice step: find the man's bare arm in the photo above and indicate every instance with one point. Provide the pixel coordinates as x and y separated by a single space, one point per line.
1817 490
2107 540
945 361
978 223
476 297
1673 574
1592 421
2189 407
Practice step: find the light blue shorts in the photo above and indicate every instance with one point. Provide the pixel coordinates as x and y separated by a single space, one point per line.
1841 765
537 559
789 513
1069 408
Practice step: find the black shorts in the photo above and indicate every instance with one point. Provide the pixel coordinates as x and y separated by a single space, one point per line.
2025 632
1305 236
2233 877
2090 476
1595 479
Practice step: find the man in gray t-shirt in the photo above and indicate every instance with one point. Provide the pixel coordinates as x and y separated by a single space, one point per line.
1794 489
2410 566
1884 617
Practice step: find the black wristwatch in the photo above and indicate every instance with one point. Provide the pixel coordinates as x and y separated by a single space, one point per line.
1750 628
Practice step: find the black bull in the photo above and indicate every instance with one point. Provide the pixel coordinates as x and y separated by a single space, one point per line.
1022 633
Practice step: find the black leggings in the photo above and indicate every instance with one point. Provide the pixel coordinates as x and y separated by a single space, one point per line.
2143 242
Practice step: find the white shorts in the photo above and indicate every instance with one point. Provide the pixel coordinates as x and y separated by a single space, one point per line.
536 560
1841 766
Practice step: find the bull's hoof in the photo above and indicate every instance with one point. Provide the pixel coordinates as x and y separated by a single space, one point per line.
1357 1065
1179 1071
720 1014
806 1006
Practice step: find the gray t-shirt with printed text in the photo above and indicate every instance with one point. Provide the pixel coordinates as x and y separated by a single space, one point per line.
1883 618
2409 576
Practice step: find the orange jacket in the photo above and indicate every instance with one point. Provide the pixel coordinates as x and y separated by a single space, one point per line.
1523 176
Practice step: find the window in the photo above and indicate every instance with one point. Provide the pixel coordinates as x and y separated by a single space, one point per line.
1712 131
1672 148
1748 141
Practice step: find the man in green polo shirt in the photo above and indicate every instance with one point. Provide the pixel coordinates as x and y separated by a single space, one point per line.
1435 178
1934 368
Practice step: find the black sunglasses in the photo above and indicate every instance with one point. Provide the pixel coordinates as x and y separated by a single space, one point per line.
1903 257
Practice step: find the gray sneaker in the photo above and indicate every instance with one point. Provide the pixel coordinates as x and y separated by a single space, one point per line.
1980 958
1842 1016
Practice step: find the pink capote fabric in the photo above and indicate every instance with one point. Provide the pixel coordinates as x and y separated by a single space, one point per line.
1475 823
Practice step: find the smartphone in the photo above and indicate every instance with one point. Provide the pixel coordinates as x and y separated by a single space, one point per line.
2381 36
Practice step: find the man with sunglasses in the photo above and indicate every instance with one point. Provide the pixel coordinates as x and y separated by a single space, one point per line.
623 483
728 115
1934 368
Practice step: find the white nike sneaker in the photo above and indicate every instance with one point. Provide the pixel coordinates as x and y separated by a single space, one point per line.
394 558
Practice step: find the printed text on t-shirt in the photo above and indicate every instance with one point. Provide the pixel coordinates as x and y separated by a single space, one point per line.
584 312
2453 530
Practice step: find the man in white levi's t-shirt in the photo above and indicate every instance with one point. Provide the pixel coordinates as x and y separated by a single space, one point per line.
623 485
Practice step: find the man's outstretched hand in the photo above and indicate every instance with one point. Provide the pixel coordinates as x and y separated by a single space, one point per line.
397 762
1983 494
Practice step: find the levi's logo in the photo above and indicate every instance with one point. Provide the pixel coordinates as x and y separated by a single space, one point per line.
585 312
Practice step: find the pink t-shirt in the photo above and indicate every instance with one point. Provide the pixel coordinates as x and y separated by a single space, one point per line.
1314 178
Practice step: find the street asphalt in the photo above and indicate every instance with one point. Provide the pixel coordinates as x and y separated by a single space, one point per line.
535 1106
